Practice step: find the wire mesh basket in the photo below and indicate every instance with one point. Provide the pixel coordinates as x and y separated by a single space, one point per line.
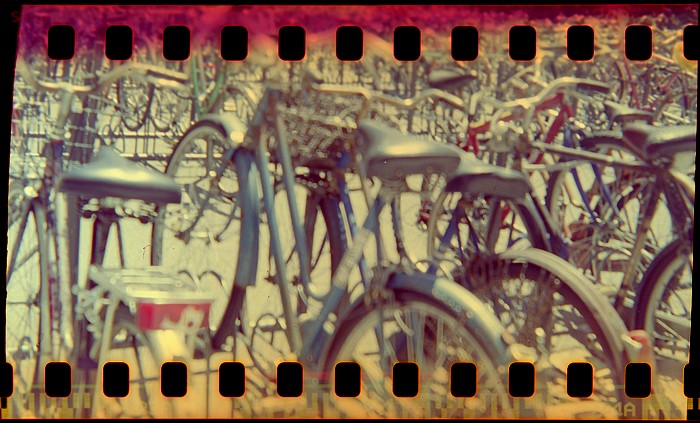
33 125
318 127
90 118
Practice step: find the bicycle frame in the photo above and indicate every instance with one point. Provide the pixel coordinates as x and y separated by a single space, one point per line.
315 336
677 184
559 100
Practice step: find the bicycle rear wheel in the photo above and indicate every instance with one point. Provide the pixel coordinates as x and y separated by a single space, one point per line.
134 98
170 111
215 227
663 309
601 246
546 304
427 332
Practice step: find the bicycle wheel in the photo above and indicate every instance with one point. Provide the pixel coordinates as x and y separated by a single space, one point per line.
28 334
237 100
215 226
670 98
321 219
545 304
516 226
601 246
131 346
663 309
134 99
424 331
170 111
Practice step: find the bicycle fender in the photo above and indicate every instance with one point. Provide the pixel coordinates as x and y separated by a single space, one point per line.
599 305
246 273
476 315
230 124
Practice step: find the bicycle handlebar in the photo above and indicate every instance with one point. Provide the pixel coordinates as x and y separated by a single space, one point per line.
556 86
314 83
152 74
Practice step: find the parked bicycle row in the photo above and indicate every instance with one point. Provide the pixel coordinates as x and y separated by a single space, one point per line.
666 88
495 228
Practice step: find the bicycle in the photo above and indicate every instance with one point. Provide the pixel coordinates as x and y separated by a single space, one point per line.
309 335
652 272
71 318
601 203
476 179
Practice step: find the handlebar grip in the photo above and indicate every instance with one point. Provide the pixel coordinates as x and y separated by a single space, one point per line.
593 85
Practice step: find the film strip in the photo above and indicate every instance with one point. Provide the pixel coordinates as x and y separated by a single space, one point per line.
351 212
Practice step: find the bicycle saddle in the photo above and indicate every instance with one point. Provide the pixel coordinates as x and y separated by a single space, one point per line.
654 142
447 80
621 113
474 176
111 175
390 155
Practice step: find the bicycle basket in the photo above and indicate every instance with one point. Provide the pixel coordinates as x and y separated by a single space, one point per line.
318 127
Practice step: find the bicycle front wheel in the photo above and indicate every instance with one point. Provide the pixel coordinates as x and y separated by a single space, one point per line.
663 309
599 209
214 229
28 334
414 328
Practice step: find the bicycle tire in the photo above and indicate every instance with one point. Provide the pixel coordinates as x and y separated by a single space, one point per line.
664 271
559 294
139 118
625 196
37 345
169 122
491 357
239 269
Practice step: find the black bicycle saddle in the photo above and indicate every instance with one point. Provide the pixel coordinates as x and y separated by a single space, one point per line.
390 155
476 177
621 113
653 142
111 175
448 80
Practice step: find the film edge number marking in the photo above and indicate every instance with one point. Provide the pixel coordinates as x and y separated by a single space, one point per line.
638 380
